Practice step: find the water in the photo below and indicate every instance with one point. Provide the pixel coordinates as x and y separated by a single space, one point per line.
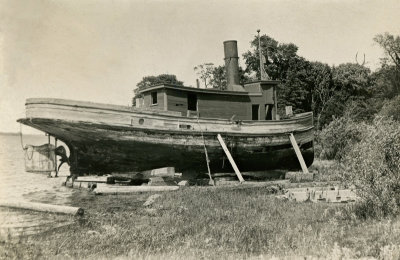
16 185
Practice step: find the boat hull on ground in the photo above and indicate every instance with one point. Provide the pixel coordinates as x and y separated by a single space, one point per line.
100 142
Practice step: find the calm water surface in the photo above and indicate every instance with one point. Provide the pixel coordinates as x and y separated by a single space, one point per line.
16 184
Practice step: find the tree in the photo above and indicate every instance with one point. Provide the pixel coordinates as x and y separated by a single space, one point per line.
323 89
391 46
205 72
149 81
277 57
386 82
353 79
215 77
388 76
295 89
218 80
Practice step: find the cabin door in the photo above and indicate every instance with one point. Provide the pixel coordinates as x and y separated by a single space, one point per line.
268 112
192 102
255 110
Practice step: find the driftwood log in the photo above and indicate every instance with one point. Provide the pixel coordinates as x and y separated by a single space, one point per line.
116 189
43 207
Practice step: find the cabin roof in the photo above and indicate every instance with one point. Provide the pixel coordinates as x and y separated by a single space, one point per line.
200 90
271 82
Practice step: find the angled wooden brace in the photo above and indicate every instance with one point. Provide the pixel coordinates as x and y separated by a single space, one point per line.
298 153
228 154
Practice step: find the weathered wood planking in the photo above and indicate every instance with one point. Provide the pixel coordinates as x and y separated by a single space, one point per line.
161 121
105 139
102 149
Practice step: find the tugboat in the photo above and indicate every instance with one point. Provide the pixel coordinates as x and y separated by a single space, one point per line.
178 126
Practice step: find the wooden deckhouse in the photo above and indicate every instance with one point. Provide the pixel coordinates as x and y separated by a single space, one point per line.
253 101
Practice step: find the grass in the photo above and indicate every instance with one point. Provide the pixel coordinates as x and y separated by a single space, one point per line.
327 170
212 223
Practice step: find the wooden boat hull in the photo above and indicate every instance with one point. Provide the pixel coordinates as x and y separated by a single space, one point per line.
104 139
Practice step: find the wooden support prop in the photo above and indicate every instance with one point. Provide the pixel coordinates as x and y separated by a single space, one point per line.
115 189
55 166
298 153
228 154
43 207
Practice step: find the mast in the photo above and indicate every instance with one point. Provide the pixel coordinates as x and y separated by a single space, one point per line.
263 73
264 76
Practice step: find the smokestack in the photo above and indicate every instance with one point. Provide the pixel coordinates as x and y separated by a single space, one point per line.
232 66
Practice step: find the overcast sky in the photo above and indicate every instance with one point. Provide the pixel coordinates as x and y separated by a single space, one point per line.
98 50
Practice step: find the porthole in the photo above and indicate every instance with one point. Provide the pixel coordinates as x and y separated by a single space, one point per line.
141 121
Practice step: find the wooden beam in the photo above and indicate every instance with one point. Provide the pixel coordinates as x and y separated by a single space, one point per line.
42 207
228 154
298 153
275 103
116 189
55 156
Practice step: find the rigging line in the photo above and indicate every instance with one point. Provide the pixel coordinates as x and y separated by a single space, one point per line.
205 150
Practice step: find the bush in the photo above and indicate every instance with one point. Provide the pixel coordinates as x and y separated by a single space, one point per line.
335 138
391 108
373 167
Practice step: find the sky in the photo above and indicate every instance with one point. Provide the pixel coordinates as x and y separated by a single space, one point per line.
98 50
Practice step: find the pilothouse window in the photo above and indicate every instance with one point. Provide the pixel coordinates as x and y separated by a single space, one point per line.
153 98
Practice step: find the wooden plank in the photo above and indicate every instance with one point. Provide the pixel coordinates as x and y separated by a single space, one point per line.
159 172
298 153
96 179
42 207
165 171
228 154
115 189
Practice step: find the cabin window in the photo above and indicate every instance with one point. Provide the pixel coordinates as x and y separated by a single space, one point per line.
254 112
268 112
192 101
154 98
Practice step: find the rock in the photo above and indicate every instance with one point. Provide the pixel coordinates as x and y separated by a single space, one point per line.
150 211
182 209
274 189
93 233
282 197
183 183
150 200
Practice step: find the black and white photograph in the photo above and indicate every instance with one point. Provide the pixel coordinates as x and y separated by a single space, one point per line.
199 129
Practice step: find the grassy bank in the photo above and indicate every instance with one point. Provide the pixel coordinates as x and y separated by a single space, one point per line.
210 222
